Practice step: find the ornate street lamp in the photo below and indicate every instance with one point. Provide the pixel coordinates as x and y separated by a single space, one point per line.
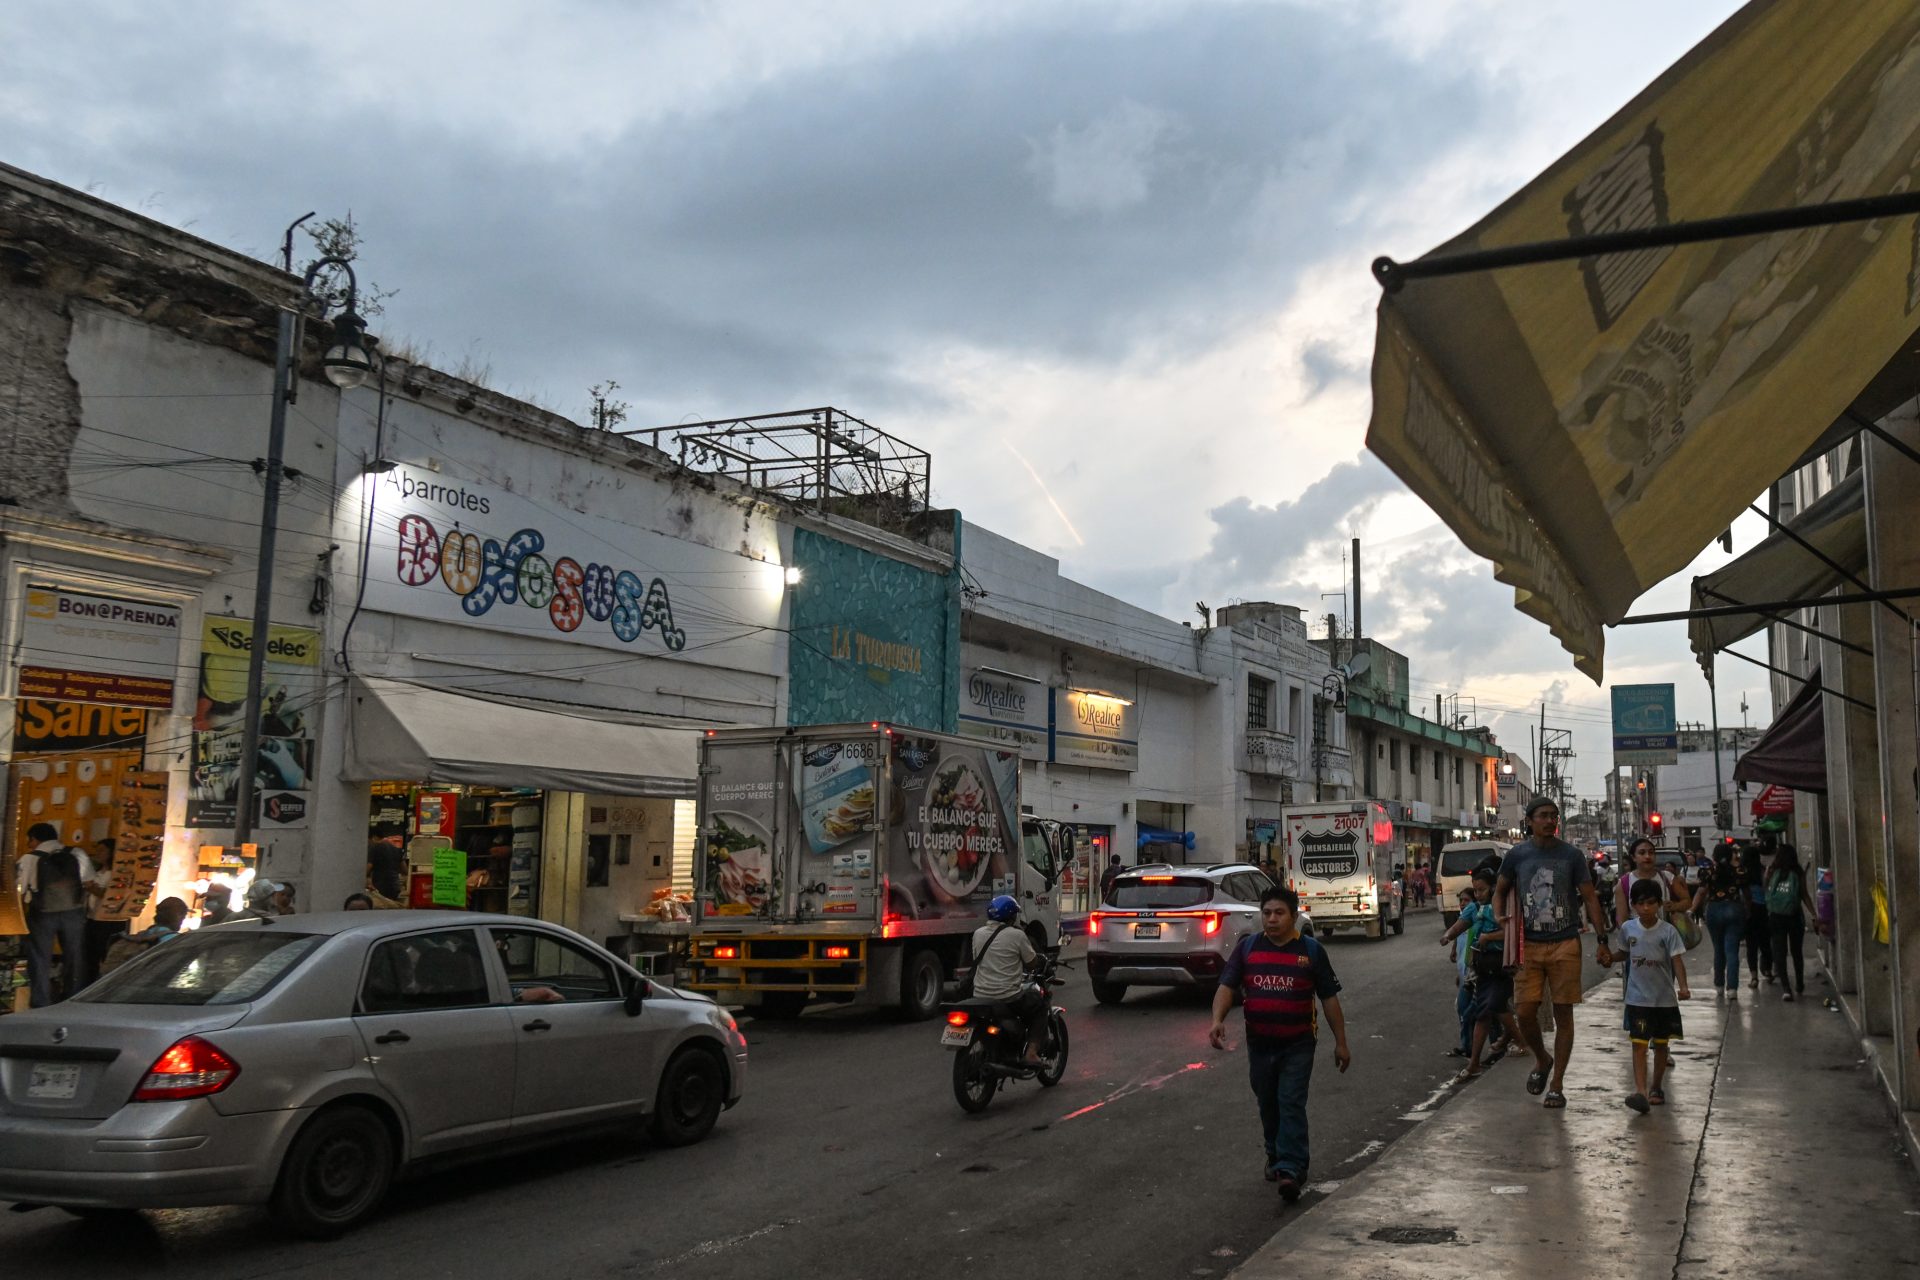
348 363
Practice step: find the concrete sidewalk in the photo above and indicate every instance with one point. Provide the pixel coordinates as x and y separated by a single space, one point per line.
1774 1156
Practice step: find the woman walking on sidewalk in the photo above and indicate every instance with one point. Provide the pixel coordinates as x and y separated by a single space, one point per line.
1786 921
1723 898
1759 942
1642 866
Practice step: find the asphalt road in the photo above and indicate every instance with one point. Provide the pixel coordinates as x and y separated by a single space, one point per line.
849 1158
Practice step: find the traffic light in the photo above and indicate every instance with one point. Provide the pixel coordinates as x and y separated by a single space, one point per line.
1653 823
1723 814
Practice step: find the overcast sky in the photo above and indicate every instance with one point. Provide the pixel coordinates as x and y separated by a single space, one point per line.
1125 242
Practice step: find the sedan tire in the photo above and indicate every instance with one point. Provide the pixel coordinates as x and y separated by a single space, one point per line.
693 1089
337 1171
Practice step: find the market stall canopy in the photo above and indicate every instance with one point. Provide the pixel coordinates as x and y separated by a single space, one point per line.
1793 751
1784 568
1589 425
402 731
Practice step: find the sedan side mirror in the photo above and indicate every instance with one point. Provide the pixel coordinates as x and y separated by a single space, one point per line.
636 998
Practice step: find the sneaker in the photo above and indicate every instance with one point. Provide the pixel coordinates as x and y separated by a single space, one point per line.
1289 1187
1787 997
1733 996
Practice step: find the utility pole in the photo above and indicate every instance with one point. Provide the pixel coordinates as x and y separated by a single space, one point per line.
1719 784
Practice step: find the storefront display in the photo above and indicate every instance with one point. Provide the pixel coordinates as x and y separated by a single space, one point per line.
492 833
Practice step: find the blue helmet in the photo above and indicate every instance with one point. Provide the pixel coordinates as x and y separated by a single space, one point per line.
1004 909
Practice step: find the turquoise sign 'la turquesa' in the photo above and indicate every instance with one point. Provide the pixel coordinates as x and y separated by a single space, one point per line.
873 638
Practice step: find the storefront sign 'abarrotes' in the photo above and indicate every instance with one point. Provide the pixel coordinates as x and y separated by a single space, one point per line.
485 572
481 555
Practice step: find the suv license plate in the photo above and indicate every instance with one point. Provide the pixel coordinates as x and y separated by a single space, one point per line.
956 1037
1146 931
54 1080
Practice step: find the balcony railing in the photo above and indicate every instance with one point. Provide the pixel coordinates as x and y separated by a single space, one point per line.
1269 751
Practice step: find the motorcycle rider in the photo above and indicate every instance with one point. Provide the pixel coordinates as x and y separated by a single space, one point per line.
1002 954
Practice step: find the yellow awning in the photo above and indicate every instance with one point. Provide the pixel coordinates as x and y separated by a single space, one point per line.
1590 425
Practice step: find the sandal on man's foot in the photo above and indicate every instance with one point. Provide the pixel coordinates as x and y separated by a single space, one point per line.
1635 1101
1554 1101
1536 1082
1657 1096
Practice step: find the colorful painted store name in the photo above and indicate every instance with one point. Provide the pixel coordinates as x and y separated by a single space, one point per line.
869 652
485 572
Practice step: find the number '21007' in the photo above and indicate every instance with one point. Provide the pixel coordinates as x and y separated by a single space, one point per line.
1348 822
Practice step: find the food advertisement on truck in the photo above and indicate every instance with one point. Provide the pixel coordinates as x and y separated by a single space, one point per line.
836 787
741 871
954 840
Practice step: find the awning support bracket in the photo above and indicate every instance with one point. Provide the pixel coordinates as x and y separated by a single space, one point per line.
1899 446
1782 671
1785 621
1771 606
1783 527
1392 275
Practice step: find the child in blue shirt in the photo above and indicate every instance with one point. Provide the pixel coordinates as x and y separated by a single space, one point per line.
1656 983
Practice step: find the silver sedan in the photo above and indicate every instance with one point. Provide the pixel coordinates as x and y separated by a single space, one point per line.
305 1061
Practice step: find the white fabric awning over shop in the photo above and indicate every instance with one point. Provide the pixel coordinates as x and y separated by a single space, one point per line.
397 731
1781 568
1590 425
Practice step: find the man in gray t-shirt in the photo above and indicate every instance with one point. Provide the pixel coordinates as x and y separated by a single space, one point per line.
1544 881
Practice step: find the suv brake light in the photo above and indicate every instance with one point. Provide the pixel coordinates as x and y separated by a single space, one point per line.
1093 924
190 1068
1210 922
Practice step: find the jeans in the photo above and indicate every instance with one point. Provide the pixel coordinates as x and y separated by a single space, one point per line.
1788 932
1726 925
1463 1009
1759 946
1280 1078
70 927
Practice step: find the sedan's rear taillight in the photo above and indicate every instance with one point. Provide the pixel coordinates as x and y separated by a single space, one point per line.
192 1068
1093 925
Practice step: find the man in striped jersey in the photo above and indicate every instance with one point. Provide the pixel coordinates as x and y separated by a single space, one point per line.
1277 975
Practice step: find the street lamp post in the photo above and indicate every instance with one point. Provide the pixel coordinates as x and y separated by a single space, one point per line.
348 363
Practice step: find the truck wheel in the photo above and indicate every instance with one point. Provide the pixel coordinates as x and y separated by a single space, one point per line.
1109 992
1376 929
920 980
336 1172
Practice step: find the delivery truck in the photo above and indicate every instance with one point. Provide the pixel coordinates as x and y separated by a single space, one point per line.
1340 858
853 862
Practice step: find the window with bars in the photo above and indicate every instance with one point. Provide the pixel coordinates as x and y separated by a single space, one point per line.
1259 703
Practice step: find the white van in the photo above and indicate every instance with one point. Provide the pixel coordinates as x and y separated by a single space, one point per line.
1457 862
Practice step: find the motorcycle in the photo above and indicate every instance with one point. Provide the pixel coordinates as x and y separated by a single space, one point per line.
988 1039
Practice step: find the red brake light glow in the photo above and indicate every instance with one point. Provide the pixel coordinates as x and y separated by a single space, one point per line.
726 953
1156 879
191 1068
958 1018
1210 923
1093 925
839 953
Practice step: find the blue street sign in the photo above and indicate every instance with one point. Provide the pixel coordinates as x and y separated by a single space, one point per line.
1645 728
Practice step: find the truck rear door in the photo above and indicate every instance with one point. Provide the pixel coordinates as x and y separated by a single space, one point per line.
839 792
738 871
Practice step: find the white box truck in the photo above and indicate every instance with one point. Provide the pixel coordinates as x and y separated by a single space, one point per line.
1340 857
853 862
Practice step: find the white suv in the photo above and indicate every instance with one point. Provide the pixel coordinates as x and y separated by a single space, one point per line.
1163 926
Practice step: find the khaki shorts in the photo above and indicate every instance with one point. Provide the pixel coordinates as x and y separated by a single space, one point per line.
1554 966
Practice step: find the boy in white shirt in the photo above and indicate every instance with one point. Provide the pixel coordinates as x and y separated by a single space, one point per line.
1656 983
